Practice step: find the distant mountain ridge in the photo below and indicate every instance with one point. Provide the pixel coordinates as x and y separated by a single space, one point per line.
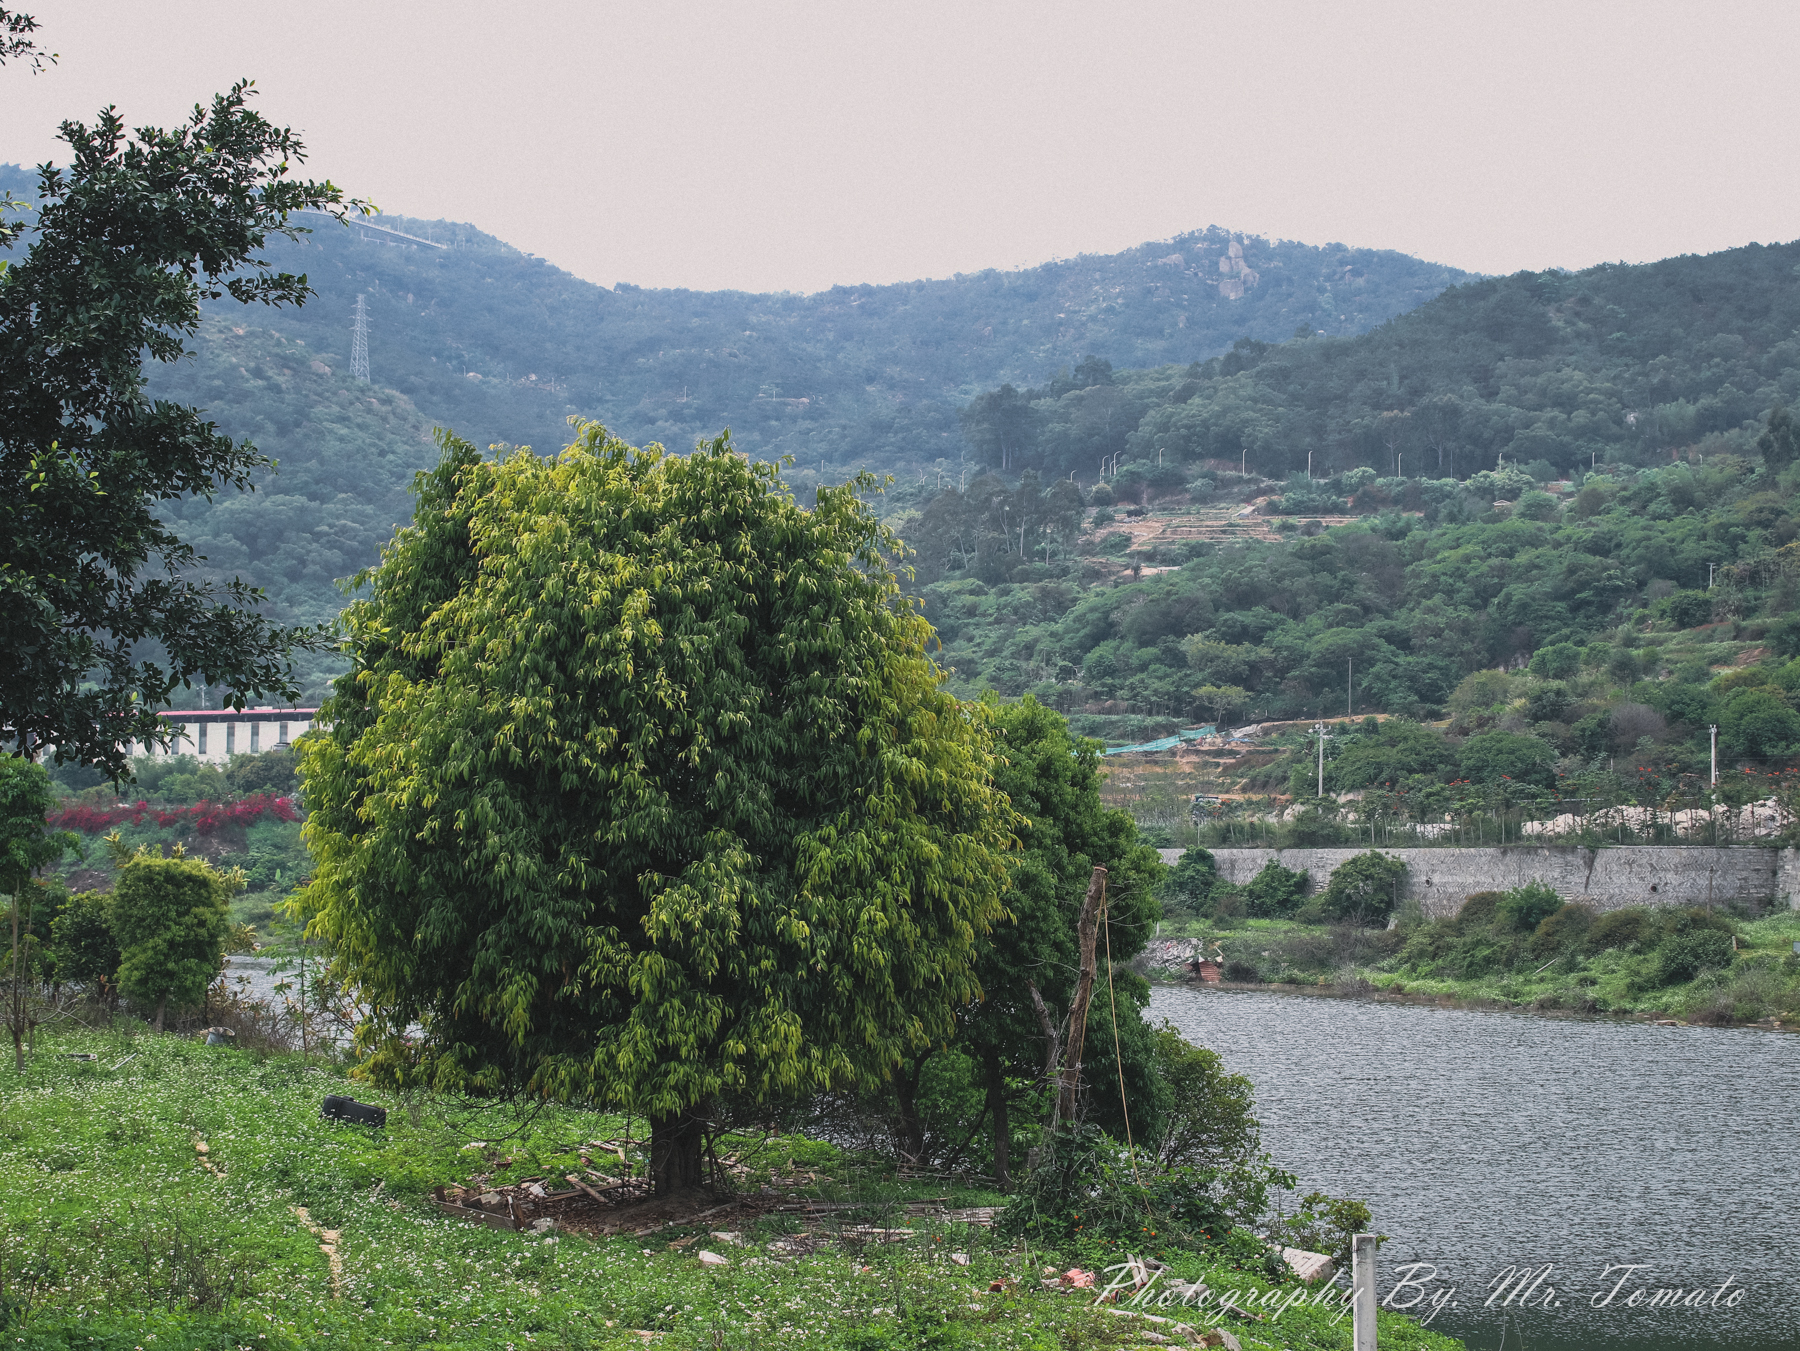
502 347
857 375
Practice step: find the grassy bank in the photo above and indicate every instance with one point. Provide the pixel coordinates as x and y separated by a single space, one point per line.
1624 968
120 1233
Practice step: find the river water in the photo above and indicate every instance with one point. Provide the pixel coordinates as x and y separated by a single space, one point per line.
1485 1142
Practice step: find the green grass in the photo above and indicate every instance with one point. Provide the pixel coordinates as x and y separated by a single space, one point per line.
114 1236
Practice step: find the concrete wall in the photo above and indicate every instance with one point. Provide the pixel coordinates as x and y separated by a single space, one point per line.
1607 879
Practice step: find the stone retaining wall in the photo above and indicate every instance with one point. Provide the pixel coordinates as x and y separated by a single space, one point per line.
1607 879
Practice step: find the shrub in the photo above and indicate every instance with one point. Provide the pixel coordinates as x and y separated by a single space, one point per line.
1524 908
1536 506
1227 904
1274 892
1623 929
1326 1224
1083 1189
87 951
1683 955
1365 889
1688 609
1186 887
1559 661
1561 931
1548 703
1692 941
274 772
1209 1123
1478 953
1479 909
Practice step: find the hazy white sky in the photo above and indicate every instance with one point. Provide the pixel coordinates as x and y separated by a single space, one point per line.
794 146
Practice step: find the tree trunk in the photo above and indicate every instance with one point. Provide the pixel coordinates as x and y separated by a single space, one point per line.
996 1101
909 1126
162 1002
677 1150
15 1013
1087 930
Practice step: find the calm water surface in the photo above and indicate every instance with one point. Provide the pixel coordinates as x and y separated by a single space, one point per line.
1488 1141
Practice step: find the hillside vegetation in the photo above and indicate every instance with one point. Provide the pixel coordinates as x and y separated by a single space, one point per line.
502 347
1592 610
1549 371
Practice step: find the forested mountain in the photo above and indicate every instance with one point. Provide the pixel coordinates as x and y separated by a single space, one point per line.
1620 364
1637 537
468 333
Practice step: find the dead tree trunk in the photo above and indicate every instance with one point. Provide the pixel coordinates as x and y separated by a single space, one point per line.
1052 1036
1087 930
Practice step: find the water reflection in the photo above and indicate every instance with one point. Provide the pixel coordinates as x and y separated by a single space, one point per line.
1488 1141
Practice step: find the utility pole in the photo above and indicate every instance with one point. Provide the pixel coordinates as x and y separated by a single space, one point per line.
1319 731
359 343
1714 730
1709 575
1244 462
1309 456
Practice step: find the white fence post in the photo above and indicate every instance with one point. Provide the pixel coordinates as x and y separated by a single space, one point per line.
1362 1286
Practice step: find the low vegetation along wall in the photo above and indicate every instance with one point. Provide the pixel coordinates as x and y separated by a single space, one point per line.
1607 879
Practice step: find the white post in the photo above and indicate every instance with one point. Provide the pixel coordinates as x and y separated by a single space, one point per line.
1714 730
1320 729
1362 1286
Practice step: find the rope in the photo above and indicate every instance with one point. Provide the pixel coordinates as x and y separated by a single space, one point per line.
1118 1059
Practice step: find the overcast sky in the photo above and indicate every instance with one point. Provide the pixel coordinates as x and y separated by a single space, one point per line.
795 146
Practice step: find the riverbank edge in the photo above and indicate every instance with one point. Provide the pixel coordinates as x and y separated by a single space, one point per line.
1378 994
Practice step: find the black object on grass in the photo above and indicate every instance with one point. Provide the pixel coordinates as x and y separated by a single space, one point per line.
357 1113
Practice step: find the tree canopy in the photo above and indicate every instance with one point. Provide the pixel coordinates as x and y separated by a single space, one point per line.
171 917
642 790
99 615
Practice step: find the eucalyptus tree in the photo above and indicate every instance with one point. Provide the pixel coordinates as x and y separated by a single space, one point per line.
642 791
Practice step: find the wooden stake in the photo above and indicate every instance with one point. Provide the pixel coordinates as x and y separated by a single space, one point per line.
1087 931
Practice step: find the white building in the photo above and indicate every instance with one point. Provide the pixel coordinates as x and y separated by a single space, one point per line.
214 735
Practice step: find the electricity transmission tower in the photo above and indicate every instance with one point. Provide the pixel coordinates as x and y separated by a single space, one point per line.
359 344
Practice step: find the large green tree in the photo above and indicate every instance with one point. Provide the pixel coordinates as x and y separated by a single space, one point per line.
101 615
642 790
